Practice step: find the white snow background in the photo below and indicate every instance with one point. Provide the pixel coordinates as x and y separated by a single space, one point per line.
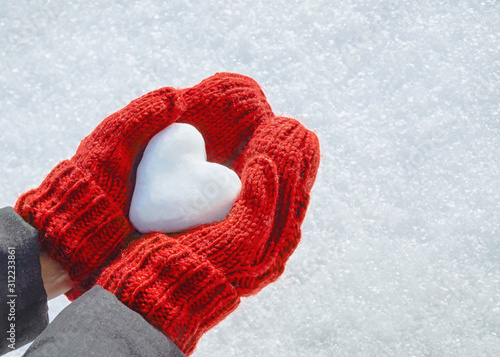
400 254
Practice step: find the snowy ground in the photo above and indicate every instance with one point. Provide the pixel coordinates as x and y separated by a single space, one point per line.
401 251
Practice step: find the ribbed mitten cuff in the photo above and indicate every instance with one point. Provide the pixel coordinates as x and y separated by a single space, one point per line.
79 225
177 291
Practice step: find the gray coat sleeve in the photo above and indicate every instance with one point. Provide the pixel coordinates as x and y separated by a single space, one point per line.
23 301
98 324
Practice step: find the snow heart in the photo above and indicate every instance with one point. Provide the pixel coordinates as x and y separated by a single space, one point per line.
176 188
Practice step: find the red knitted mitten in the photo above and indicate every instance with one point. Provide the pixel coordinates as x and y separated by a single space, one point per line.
174 289
81 208
184 284
252 245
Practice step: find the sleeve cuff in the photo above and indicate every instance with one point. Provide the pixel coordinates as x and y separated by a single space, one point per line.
23 300
98 324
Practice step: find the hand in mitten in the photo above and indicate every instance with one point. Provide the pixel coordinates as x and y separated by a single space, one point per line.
251 246
81 208
184 284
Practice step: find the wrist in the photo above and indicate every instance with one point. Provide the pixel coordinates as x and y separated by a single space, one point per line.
55 279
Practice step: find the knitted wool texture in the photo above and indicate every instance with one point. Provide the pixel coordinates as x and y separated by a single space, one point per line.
233 258
81 207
